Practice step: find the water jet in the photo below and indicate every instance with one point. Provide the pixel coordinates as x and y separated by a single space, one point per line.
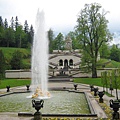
40 59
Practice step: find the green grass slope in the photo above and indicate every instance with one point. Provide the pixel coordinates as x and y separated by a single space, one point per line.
108 63
26 55
8 51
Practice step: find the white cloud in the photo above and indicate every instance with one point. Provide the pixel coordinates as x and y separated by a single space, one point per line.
59 13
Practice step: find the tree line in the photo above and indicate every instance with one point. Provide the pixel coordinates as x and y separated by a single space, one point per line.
15 34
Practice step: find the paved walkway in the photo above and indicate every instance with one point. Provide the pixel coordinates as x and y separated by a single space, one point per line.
67 85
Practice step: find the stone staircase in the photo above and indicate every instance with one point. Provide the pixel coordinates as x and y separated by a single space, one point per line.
51 57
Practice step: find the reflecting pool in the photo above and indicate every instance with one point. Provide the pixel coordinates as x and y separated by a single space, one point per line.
61 102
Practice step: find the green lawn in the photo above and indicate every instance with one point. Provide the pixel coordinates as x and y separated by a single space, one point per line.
90 81
14 82
22 82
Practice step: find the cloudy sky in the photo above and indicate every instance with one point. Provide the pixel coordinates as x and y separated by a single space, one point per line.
61 15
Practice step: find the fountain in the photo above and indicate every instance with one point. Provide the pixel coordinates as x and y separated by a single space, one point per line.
62 103
40 59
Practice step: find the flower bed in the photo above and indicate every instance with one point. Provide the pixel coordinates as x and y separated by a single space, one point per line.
105 107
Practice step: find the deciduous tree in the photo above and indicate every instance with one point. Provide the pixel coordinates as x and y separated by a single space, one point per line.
92 31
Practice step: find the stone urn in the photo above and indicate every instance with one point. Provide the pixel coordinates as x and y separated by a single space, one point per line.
28 87
37 105
115 106
101 93
95 91
8 88
91 88
75 86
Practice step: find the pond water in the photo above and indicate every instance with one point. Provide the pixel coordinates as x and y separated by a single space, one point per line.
61 102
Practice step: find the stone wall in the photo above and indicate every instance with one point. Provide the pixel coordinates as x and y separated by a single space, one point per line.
18 74
27 73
